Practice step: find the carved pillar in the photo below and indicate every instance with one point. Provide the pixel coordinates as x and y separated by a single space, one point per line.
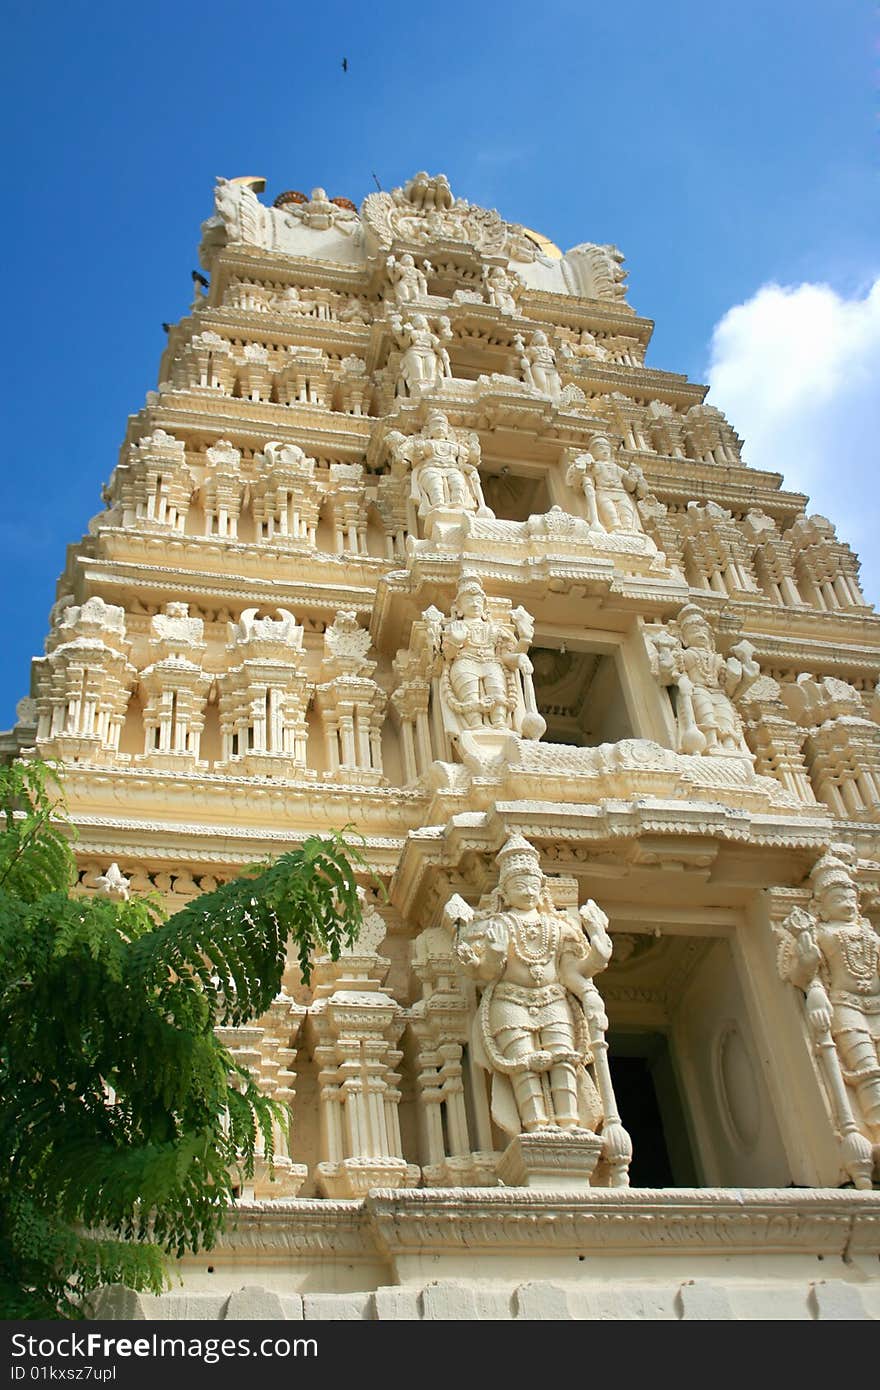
827 569
841 746
450 1085
206 364
347 501
354 386
267 1048
351 703
355 1028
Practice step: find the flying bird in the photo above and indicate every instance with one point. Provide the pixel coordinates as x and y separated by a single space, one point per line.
345 65
200 280
167 327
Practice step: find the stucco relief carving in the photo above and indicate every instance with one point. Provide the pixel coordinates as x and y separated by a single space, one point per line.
409 282
595 271
832 954
611 491
537 364
485 686
705 684
444 473
424 211
540 1026
423 364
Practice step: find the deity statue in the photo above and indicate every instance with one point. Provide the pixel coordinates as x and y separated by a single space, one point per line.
482 659
499 288
706 683
610 490
444 467
540 1026
410 283
537 362
424 361
832 953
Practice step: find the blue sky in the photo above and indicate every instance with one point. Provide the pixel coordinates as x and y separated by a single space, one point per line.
725 148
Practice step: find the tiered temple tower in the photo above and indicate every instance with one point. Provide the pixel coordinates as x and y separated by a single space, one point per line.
410 537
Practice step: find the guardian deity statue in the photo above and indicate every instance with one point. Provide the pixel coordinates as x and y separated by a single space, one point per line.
540 1026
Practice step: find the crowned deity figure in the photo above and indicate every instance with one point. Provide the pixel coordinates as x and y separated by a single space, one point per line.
540 1025
832 953
705 682
424 361
444 466
537 362
610 491
409 281
486 679
499 288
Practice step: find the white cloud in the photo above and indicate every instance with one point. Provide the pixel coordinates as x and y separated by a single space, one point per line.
797 371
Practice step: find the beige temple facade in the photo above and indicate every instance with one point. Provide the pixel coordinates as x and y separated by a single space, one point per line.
409 538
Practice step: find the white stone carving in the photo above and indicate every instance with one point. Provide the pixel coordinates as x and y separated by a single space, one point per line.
537 363
286 498
444 473
263 699
540 1029
221 489
595 271
82 685
114 885
832 953
485 687
356 1026
153 485
501 288
351 703
409 282
320 213
705 683
610 491
424 362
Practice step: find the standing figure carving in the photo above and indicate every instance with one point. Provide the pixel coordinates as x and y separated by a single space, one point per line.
486 680
705 682
499 287
424 361
540 1026
832 953
409 281
537 362
444 467
610 490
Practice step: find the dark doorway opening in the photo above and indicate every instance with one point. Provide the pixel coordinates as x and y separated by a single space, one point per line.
650 1106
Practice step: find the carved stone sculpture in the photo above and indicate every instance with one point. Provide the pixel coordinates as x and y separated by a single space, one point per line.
832 953
409 281
705 682
610 490
486 676
444 464
499 288
540 1027
537 362
424 361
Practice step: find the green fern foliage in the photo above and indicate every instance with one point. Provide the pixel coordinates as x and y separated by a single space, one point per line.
125 1125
